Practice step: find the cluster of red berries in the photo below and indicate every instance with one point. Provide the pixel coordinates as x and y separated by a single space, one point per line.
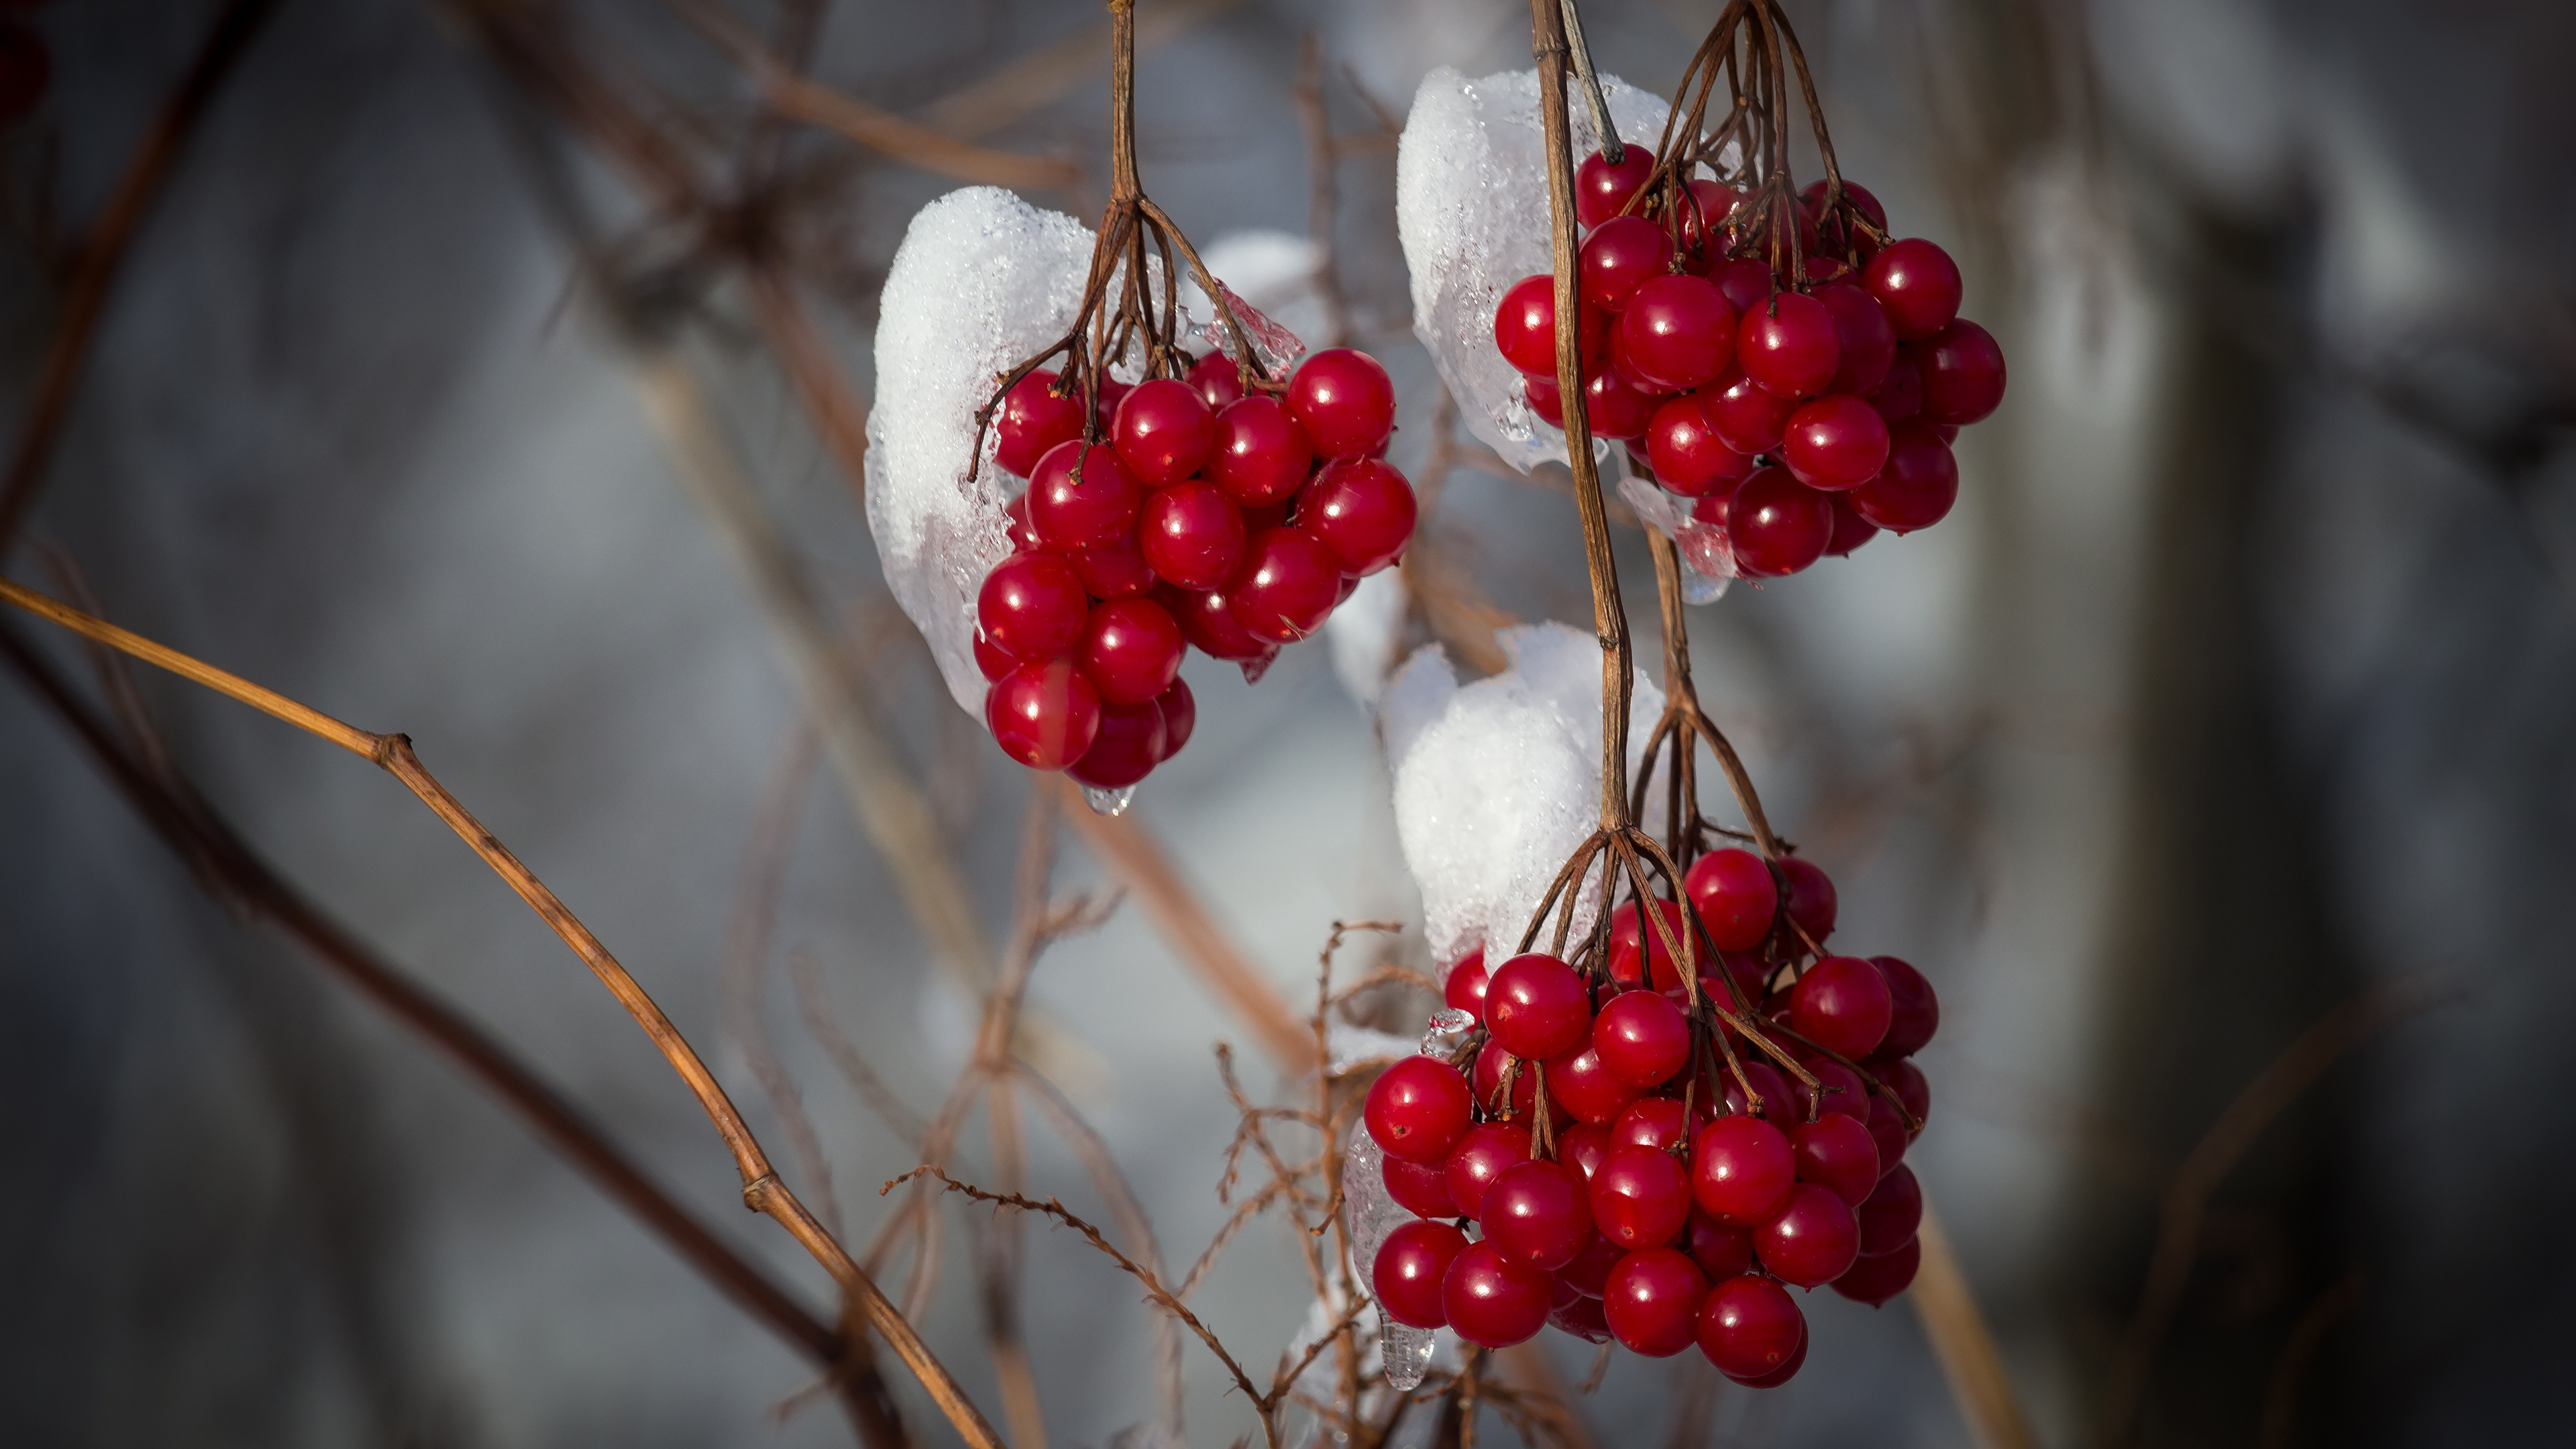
1208 517
1800 415
1673 1207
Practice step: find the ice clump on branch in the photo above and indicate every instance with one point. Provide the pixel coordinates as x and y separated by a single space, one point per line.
1497 782
1471 210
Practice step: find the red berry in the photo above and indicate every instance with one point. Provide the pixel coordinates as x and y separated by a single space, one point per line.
1112 393
1115 572
1485 1153
1843 1093
1191 533
992 659
1544 400
1746 285
1899 396
1411 1265
1867 343
1217 379
1582 1147
1418 1109
1082 497
1887 1129
1836 442
1131 649
1702 217
1209 624
1812 903
1163 432
1624 253
1261 453
1536 1214
1491 1063
1574 1312
1493 1303
1420 1188
1658 1122
1745 417
1286 585
1748 1327
1905 1080
1677 332
1721 1250
1780 1105
1788 345
1043 715
1915 1012
1687 456
1735 896
1811 200
1963 374
1642 1038
1741 1170
1640 1197
1810 1241
1032 421
1525 325
1916 285
1786 1371
1850 529
1842 1004
1128 747
1032 606
1777 525
1465 989
1536 1006
1616 408
1602 191
1835 1152
1891 1213
1874 1280
1589 1273
1180 716
1579 1082
1363 511
1024 537
1653 1301
1345 401
1637 949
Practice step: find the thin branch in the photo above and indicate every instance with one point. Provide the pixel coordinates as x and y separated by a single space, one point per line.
2281 1399
1963 1344
1045 75
814 1000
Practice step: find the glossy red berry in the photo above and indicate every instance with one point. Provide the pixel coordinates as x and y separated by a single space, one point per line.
1536 1214
1657 1122
1720 1249
1043 715
1850 529
1916 284
1687 456
1261 454
993 660
1789 345
1217 379
1209 625
1485 1153
1841 1093
1032 421
1867 345
1164 431
1677 332
1115 572
1492 1302
1642 1038
1589 1273
1536 1007
1887 1129
1191 533
1420 1188
1131 649
1363 511
1602 191
1180 716
1963 374
1744 416
1874 1280
1915 1012
1652 1302
1345 401
1544 400
1525 325
1578 1081
1582 1147
1812 902
1899 396
1638 956
1891 1213
1702 221
1811 1240
1835 443
1615 407
1780 1105
1417 1110
1024 537
1777 525
1748 1326
1619 256
1917 485
1130 744
1905 1080
1411 1266
1735 896
1640 1197
1574 1312
1746 285
1835 1152
1785 1372
1465 988
1032 606
1286 584
1842 1004
1741 1171
1492 1062
1082 497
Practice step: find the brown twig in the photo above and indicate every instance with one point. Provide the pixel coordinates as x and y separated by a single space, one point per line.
1963 1344
1045 75
814 1001
2281 1398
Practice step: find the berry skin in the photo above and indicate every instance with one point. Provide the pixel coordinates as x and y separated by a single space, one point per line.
1657 1122
1082 497
1687 456
1746 285
1899 396
1418 1110
1126 750
1835 443
1812 903
1191 533
1209 624
1491 1302
1465 989
1786 1371
1536 1214
1491 1062
1868 344
1615 407
1602 191
1164 431
1032 606
1217 379
1536 1007
1677 332
1916 285
1887 1130
1789 345
992 659
1720 1250
1024 536
1112 393
1620 256
1842 1005
1850 529
1131 649
1115 572
1741 1171
1640 1197
1043 715
1735 896
1545 400
1589 1273
1889 1215
1917 486
1812 1240
1874 1280
1642 1038
1906 1081
1484 1154
1344 400
1286 585
1261 454
1582 1147
1576 1313
1363 511
1525 325
1744 416
1777 525
1835 1152
1843 1094
1748 1326
1032 421
1780 1105
1703 214
1578 1081
1180 716
1963 374
1652 1302
1637 949
1420 1188
1410 1269
1915 1013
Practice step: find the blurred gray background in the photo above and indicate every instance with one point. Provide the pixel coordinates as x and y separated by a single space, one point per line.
2240 683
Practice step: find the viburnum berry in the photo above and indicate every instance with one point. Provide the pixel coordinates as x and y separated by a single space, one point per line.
1043 714
1345 401
1744 416
1841 1092
1786 1371
1642 1038
1899 395
1112 393
1850 529
1286 584
1536 1007
1127 748
1867 344
1115 572
1492 1302
1180 716
1735 896
1615 407
1536 1214
1677 332
1363 511
1492 1062
1191 533
1661 1123
1780 1105
1589 1273
1032 606
1812 903
1788 345
1916 284
1525 328
1836 1152
1032 421
1545 400
1887 1130
1702 215
1811 1240
1748 1326
1082 497
1777 525
1875 1279
1963 373
1485 1153
1602 190
1685 453
1906 1080
1914 1011
1412 1264
1638 956
990 658
1746 284
1891 1213
1741 1170
1420 1188
1218 380
1836 442
1261 454
1652 1302
1842 1004
1640 1197
1721 1249
1583 1146
1418 1109
1131 650
1620 255
1465 988
1209 624
1164 431
1023 535
1575 1312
